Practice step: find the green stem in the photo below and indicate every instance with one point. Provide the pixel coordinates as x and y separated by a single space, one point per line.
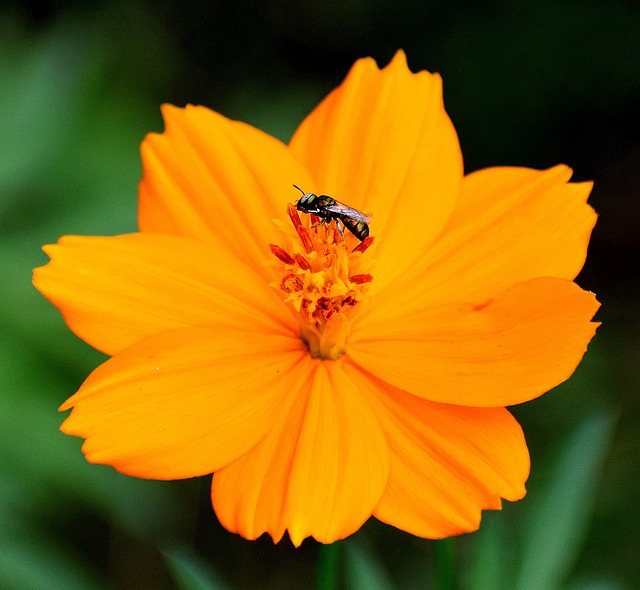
445 566
328 565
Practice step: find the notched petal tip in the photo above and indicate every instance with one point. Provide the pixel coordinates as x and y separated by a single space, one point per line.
399 59
400 65
170 112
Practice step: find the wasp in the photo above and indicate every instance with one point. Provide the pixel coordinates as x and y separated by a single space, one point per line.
327 209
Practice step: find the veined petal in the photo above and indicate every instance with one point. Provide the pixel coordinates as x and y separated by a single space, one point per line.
184 403
319 472
383 143
116 291
510 225
447 462
498 352
209 176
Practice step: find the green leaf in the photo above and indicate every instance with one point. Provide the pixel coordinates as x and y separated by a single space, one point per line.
445 564
30 561
559 519
364 570
191 572
489 565
597 584
40 78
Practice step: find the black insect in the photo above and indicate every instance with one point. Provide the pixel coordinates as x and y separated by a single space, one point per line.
328 209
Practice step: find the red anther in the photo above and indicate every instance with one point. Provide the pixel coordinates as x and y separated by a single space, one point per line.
362 246
291 283
292 212
302 261
305 238
359 279
281 255
303 232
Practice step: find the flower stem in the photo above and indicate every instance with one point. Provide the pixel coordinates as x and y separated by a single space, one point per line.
445 570
328 565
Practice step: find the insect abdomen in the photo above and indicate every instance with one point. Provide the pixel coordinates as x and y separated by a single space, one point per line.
358 228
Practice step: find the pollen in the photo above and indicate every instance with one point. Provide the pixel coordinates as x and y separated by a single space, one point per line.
323 273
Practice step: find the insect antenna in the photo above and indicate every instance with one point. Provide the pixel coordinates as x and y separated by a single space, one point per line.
296 186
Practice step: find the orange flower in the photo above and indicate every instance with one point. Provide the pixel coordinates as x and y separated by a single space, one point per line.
323 379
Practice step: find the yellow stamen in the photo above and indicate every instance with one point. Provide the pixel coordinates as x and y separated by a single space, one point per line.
323 275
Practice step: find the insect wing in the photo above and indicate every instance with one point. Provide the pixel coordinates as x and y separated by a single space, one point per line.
343 210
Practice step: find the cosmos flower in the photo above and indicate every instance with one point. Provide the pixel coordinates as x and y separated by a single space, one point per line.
323 378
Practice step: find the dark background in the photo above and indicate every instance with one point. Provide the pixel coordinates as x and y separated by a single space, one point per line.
526 83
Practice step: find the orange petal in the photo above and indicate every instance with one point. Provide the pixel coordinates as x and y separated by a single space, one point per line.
319 472
510 225
184 403
116 291
383 143
497 352
209 176
447 462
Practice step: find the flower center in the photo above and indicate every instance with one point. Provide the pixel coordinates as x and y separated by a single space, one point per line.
323 275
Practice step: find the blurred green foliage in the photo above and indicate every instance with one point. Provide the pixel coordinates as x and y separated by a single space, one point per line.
528 84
